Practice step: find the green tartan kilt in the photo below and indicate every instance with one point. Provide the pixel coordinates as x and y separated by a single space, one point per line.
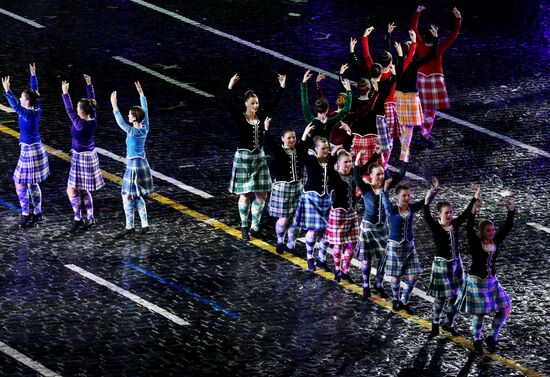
250 172
447 278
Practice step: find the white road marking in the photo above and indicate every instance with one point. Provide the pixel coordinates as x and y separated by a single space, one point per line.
158 175
163 77
407 174
25 360
152 307
19 18
7 109
329 74
539 227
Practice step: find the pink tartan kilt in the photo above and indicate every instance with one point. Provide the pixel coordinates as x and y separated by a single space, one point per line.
433 91
365 143
391 119
343 227
409 109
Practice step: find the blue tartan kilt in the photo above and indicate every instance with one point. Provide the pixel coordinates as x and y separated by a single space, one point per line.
447 278
33 166
482 296
402 259
386 141
372 240
85 173
250 172
137 180
313 210
285 197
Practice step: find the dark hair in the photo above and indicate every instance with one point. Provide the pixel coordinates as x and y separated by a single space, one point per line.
138 113
375 70
385 59
321 105
31 96
87 105
400 188
443 204
287 130
248 94
405 48
372 167
341 100
364 86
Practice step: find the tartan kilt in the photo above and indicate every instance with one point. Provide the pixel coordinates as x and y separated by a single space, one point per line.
284 198
85 173
342 228
392 120
137 180
33 166
433 91
250 172
482 296
447 278
313 211
402 259
409 109
364 143
386 141
372 240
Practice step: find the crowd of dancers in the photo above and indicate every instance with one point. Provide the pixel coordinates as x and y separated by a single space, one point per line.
316 182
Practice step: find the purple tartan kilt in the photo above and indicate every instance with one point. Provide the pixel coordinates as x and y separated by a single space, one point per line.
482 296
32 166
85 173
313 210
372 241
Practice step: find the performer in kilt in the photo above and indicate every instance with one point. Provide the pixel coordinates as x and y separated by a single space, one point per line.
431 80
85 174
287 186
407 101
481 293
137 182
314 206
401 257
250 177
447 269
373 237
32 167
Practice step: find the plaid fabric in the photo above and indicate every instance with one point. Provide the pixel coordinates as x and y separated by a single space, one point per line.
433 91
391 119
32 166
85 173
409 109
284 198
405 140
482 296
386 141
364 143
137 180
447 278
313 210
401 259
342 228
372 240
250 172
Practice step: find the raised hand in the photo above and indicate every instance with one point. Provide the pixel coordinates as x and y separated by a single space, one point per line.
233 81
320 76
32 69
391 27
343 68
335 150
435 183
345 126
139 89
368 31
509 203
114 100
392 68
310 127
387 183
358 157
477 191
282 80
346 84
420 8
412 35
378 149
307 76
267 123
476 206
433 30
88 79
6 83
352 43
398 48
456 13
65 87
374 84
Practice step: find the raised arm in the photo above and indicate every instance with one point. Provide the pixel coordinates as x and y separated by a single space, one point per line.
143 103
387 37
366 51
304 96
358 172
13 101
270 107
459 220
454 32
386 202
90 93
118 116
505 229
470 231
73 116
373 158
395 179
234 109
345 110
414 22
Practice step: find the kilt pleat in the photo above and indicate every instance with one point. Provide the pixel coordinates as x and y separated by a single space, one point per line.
447 278
402 259
250 172
391 119
372 240
313 211
284 198
408 108
32 166
343 227
482 296
137 180
433 91
384 137
85 173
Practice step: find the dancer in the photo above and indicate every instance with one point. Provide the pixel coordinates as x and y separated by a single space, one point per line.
401 257
287 186
32 167
407 101
374 232
481 293
447 269
85 174
314 206
431 80
137 183
250 177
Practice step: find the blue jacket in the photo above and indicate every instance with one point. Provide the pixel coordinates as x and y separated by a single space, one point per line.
401 227
28 118
135 138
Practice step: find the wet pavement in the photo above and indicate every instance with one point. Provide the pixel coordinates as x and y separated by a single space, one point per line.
245 310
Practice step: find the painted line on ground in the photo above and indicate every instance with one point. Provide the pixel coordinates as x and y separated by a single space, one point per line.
10 205
25 360
138 300
409 175
293 259
182 289
158 175
329 74
162 77
7 109
23 19
539 227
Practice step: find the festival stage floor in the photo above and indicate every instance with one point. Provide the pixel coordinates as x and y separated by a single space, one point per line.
216 305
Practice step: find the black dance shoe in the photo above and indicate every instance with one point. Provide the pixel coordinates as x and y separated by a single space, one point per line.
280 248
337 276
323 265
381 292
407 309
311 265
347 277
366 292
450 329
435 331
125 233
491 344
25 221
478 347
76 224
244 234
38 218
